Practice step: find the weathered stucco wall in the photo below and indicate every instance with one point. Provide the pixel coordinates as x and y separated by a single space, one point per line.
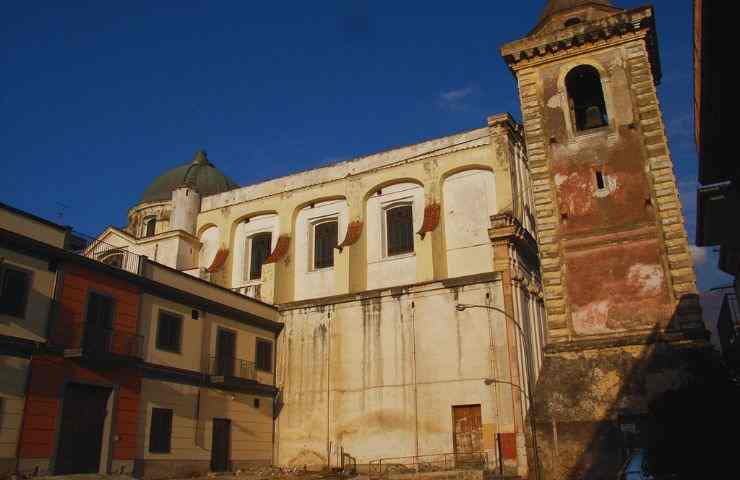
32 325
192 428
469 199
378 373
14 372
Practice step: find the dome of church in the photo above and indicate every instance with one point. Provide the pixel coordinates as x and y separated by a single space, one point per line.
200 174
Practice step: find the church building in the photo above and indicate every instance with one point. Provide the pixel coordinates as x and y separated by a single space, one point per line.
492 292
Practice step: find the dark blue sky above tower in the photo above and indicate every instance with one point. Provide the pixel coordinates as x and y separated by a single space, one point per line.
98 98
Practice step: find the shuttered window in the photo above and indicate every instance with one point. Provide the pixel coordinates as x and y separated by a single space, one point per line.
14 288
399 230
99 311
169 329
259 251
160 431
263 360
325 240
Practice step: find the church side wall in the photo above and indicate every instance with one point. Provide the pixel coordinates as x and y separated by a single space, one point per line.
378 374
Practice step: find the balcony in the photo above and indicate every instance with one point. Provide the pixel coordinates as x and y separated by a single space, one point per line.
84 340
118 257
251 290
231 371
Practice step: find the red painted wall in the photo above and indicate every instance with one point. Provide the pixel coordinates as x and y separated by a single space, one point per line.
67 328
49 374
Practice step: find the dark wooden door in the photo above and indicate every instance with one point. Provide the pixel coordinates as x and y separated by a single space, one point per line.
468 433
225 352
81 430
221 445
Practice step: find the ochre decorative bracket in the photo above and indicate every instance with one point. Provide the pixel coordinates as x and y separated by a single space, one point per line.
218 260
281 248
354 230
431 219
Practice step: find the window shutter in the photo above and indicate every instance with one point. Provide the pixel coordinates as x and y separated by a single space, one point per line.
260 250
169 328
325 239
399 230
264 356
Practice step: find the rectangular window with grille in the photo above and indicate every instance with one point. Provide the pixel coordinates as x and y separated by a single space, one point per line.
399 230
325 240
160 431
14 288
169 329
258 252
263 357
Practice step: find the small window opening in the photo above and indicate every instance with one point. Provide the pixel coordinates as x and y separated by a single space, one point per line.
325 240
586 98
263 355
256 403
572 21
169 332
150 224
599 180
258 253
399 230
14 289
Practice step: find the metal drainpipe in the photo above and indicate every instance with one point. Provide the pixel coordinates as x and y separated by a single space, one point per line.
413 366
328 377
494 374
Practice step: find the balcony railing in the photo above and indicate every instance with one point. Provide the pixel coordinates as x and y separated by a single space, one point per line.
118 257
88 340
221 368
251 290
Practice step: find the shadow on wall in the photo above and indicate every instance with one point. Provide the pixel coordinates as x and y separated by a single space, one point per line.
674 399
34 320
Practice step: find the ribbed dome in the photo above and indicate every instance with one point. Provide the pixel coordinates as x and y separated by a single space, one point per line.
199 174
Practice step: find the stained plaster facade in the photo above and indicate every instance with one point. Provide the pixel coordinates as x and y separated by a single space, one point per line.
354 368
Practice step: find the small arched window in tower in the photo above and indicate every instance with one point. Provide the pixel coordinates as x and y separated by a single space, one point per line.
259 250
150 225
572 21
586 98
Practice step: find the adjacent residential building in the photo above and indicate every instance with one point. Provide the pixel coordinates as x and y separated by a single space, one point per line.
141 370
719 175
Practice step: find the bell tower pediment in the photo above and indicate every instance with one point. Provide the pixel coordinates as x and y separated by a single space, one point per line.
562 14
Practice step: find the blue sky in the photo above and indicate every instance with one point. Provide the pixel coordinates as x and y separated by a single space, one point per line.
98 98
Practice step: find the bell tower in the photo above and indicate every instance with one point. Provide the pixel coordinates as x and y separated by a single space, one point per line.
618 275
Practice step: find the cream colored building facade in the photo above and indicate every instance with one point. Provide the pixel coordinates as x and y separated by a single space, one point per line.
375 356
28 326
